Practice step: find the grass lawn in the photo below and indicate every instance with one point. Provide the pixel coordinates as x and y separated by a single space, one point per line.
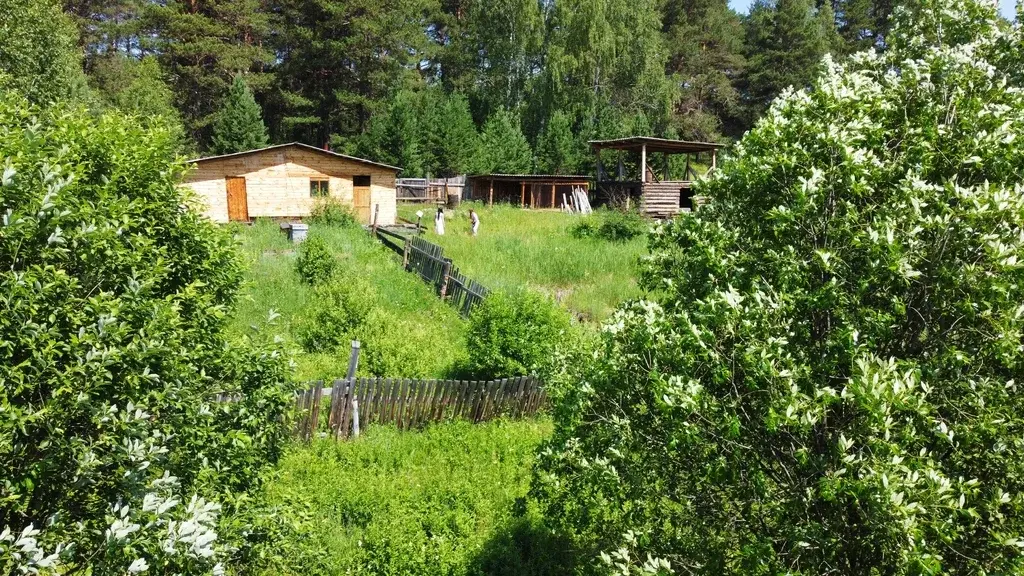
272 284
519 248
448 500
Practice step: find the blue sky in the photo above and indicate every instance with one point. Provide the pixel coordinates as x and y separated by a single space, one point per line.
1005 6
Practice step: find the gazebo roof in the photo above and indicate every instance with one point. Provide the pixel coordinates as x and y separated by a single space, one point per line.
654 145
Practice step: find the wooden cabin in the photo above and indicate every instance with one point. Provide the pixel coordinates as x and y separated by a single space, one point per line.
287 180
652 190
526 190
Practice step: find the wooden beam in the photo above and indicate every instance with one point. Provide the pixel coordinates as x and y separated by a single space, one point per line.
522 194
643 164
714 159
490 194
552 195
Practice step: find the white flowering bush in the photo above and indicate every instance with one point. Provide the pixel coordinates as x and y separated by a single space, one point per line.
113 304
828 381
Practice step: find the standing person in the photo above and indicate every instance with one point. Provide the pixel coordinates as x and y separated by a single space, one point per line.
439 221
474 221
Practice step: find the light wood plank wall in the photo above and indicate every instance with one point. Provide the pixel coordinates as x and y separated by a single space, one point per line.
277 183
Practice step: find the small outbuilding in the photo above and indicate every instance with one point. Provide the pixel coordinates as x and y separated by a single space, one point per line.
287 180
526 190
654 192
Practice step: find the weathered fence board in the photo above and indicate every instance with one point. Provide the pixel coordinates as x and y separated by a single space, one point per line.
412 404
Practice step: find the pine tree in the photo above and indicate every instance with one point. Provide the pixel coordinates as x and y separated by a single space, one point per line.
239 124
785 43
448 134
393 138
557 149
705 39
503 149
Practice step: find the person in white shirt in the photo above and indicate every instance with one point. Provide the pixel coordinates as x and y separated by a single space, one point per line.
474 221
439 221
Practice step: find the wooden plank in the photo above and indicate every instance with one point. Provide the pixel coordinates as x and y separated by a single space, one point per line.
460 398
446 396
384 404
400 418
517 397
346 413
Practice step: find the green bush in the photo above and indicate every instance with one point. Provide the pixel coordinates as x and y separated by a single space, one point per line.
332 212
516 334
112 344
337 311
829 382
316 263
611 225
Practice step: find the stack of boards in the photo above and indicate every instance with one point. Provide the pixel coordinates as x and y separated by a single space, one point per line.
578 204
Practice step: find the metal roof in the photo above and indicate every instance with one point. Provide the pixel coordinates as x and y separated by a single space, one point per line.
533 177
304 147
654 144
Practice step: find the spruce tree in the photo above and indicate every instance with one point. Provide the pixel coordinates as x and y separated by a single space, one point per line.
557 149
448 134
239 124
503 149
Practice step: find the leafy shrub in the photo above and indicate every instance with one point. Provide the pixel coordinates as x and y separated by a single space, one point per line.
619 225
829 383
515 334
112 344
337 311
332 212
611 225
316 263
585 227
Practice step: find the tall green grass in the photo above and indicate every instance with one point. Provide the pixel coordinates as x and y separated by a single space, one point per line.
272 284
446 501
519 248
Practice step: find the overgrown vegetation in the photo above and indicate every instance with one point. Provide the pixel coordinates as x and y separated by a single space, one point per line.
449 500
315 264
828 382
611 225
404 328
112 343
331 211
535 250
517 334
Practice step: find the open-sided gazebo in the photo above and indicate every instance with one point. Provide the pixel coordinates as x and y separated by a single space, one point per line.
657 195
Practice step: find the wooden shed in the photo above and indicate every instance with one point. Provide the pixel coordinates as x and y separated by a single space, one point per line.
526 190
655 193
287 180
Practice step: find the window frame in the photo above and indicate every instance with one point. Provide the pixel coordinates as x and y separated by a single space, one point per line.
360 177
319 187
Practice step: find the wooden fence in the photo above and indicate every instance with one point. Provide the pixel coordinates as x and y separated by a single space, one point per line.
355 403
428 261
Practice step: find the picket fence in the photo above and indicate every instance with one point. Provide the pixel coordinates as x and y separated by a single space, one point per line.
427 260
350 404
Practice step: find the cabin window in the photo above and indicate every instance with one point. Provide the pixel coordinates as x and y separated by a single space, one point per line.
360 180
319 187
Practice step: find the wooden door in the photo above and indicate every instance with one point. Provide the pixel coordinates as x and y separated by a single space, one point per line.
361 198
238 200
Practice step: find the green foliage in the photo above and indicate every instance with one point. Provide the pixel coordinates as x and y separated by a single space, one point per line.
331 211
394 137
38 56
238 126
516 334
113 340
337 311
611 225
315 264
441 501
558 151
448 134
785 43
502 149
136 87
828 380
536 249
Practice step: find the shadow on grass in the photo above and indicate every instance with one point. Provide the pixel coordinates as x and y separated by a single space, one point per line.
524 547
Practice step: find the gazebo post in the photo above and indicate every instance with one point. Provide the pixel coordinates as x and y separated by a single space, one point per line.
714 158
552 195
522 194
490 194
643 163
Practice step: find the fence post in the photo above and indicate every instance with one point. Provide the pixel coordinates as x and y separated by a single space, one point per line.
376 213
355 418
445 275
405 254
